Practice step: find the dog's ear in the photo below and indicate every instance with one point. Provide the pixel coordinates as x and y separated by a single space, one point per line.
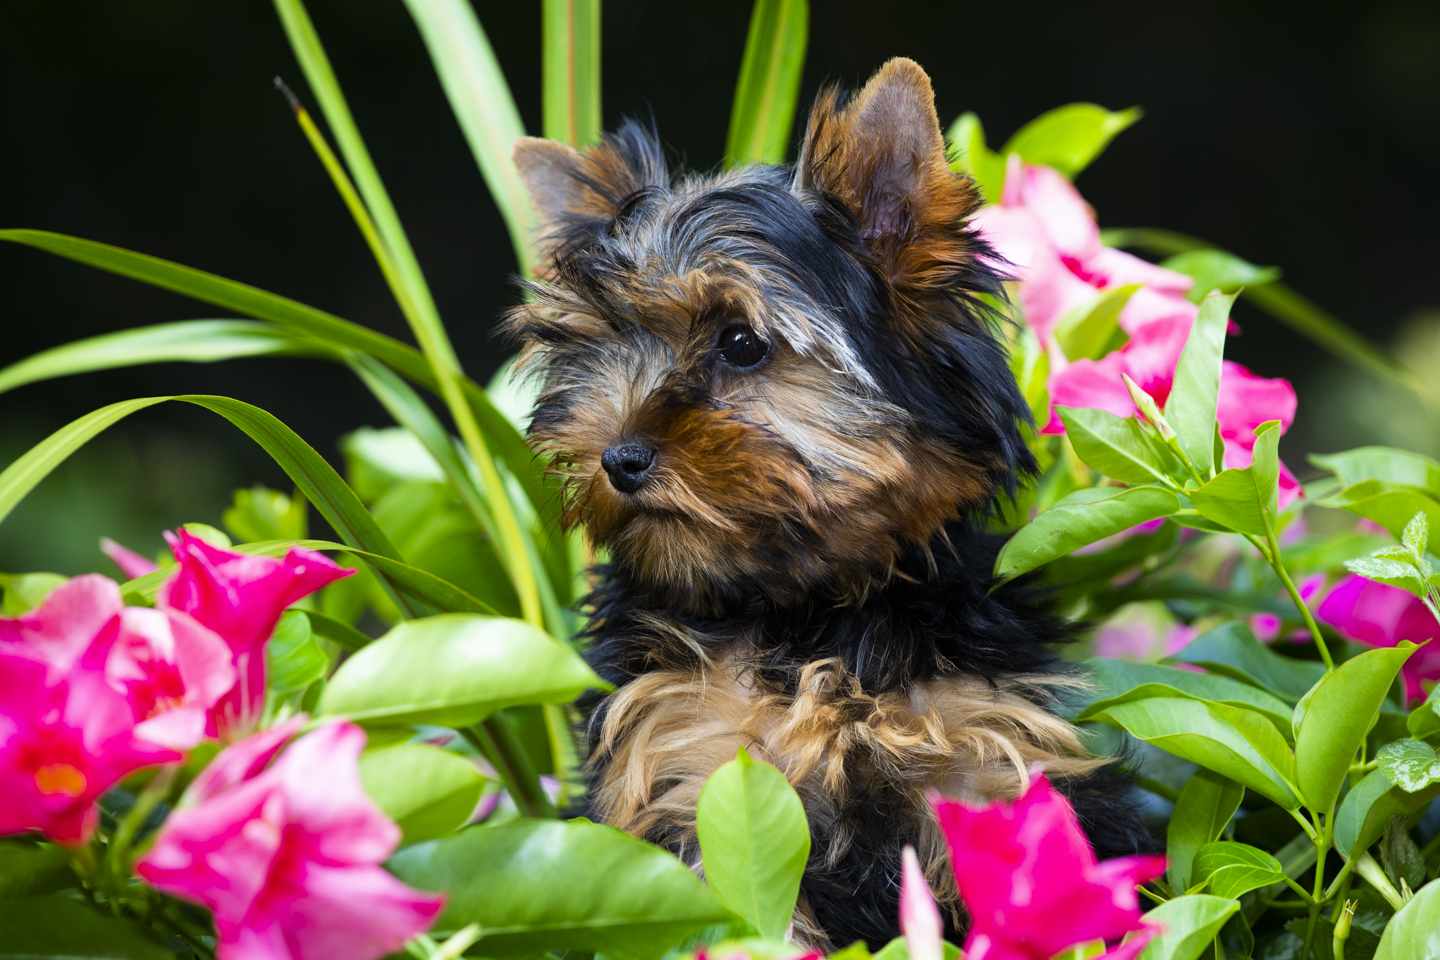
550 171
882 153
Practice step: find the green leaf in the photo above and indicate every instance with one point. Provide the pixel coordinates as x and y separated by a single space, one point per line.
336 631
1218 270
1244 499
1381 463
1068 138
1234 742
1080 518
1191 406
1394 573
455 670
69 930
427 791
570 61
1400 855
1124 448
754 840
1417 534
1368 807
1234 869
765 94
29 869
1120 682
26 591
293 660
1339 714
1190 923
194 341
894 950
535 886
260 513
1207 802
1424 720
1414 932
1232 650
1410 764
1092 330
972 156
1392 505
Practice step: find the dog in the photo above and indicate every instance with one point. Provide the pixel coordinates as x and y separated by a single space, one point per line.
778 397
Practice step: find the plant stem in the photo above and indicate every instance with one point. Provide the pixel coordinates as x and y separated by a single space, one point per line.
496 740
1278 564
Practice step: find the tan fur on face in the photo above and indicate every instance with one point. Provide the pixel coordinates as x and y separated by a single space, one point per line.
667 731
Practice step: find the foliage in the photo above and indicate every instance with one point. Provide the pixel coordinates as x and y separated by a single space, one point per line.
1296 745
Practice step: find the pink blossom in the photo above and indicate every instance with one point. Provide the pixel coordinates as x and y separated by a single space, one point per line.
131 564
241 598
1030 881
65 738
1143 632
170 668
287 857
1380 615
919 917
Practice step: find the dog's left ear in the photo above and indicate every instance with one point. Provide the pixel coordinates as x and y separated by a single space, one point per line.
884 156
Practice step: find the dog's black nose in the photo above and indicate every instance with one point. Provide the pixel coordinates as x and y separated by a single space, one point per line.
628 464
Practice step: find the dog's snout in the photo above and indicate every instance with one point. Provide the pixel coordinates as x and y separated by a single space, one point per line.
628 464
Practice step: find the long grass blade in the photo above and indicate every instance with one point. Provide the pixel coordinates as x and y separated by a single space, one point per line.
482 103
192 341
570 83
764 110
397 261
1282 302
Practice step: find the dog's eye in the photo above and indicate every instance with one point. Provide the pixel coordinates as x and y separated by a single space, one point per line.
741 346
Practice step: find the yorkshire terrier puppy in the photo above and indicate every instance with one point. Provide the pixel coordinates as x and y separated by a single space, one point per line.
777 397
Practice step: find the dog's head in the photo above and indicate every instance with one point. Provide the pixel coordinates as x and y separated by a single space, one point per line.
768 382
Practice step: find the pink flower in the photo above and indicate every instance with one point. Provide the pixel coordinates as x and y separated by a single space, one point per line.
64 740
287 856
1380 615
131 564
241 597
170 669
919 917
1030 881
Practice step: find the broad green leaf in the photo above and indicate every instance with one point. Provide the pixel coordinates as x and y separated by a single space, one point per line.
1400 856
1190 923
535 886
1381 463
259 513
1092 330
1410 764
1339 714
26 591
455 670
1191 406
894 950
1244 499
293 660
765 94
1234 869
972 156
1232 650
29 869
1121 682
1368 807
1218 270
570 82
1394 573
754 840
1207 802
1424 720
69 930
377 460
1414 932
1234 742
1390 504
1068 138
194 341
1080 518
482 103
427 791
1120 447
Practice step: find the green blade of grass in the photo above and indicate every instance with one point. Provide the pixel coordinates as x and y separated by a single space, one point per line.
570 85
769 83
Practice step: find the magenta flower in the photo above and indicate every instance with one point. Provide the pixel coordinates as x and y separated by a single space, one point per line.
919 917
65 738
1379 615
287 857
1030 881
241 598
131 564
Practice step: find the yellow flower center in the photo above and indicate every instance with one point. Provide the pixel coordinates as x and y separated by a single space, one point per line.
60 778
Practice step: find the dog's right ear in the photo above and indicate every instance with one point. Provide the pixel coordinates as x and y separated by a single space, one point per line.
551 172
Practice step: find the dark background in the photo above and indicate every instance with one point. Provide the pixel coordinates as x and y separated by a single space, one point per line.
1301 134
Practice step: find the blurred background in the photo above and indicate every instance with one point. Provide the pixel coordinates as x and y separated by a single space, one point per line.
1297 134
